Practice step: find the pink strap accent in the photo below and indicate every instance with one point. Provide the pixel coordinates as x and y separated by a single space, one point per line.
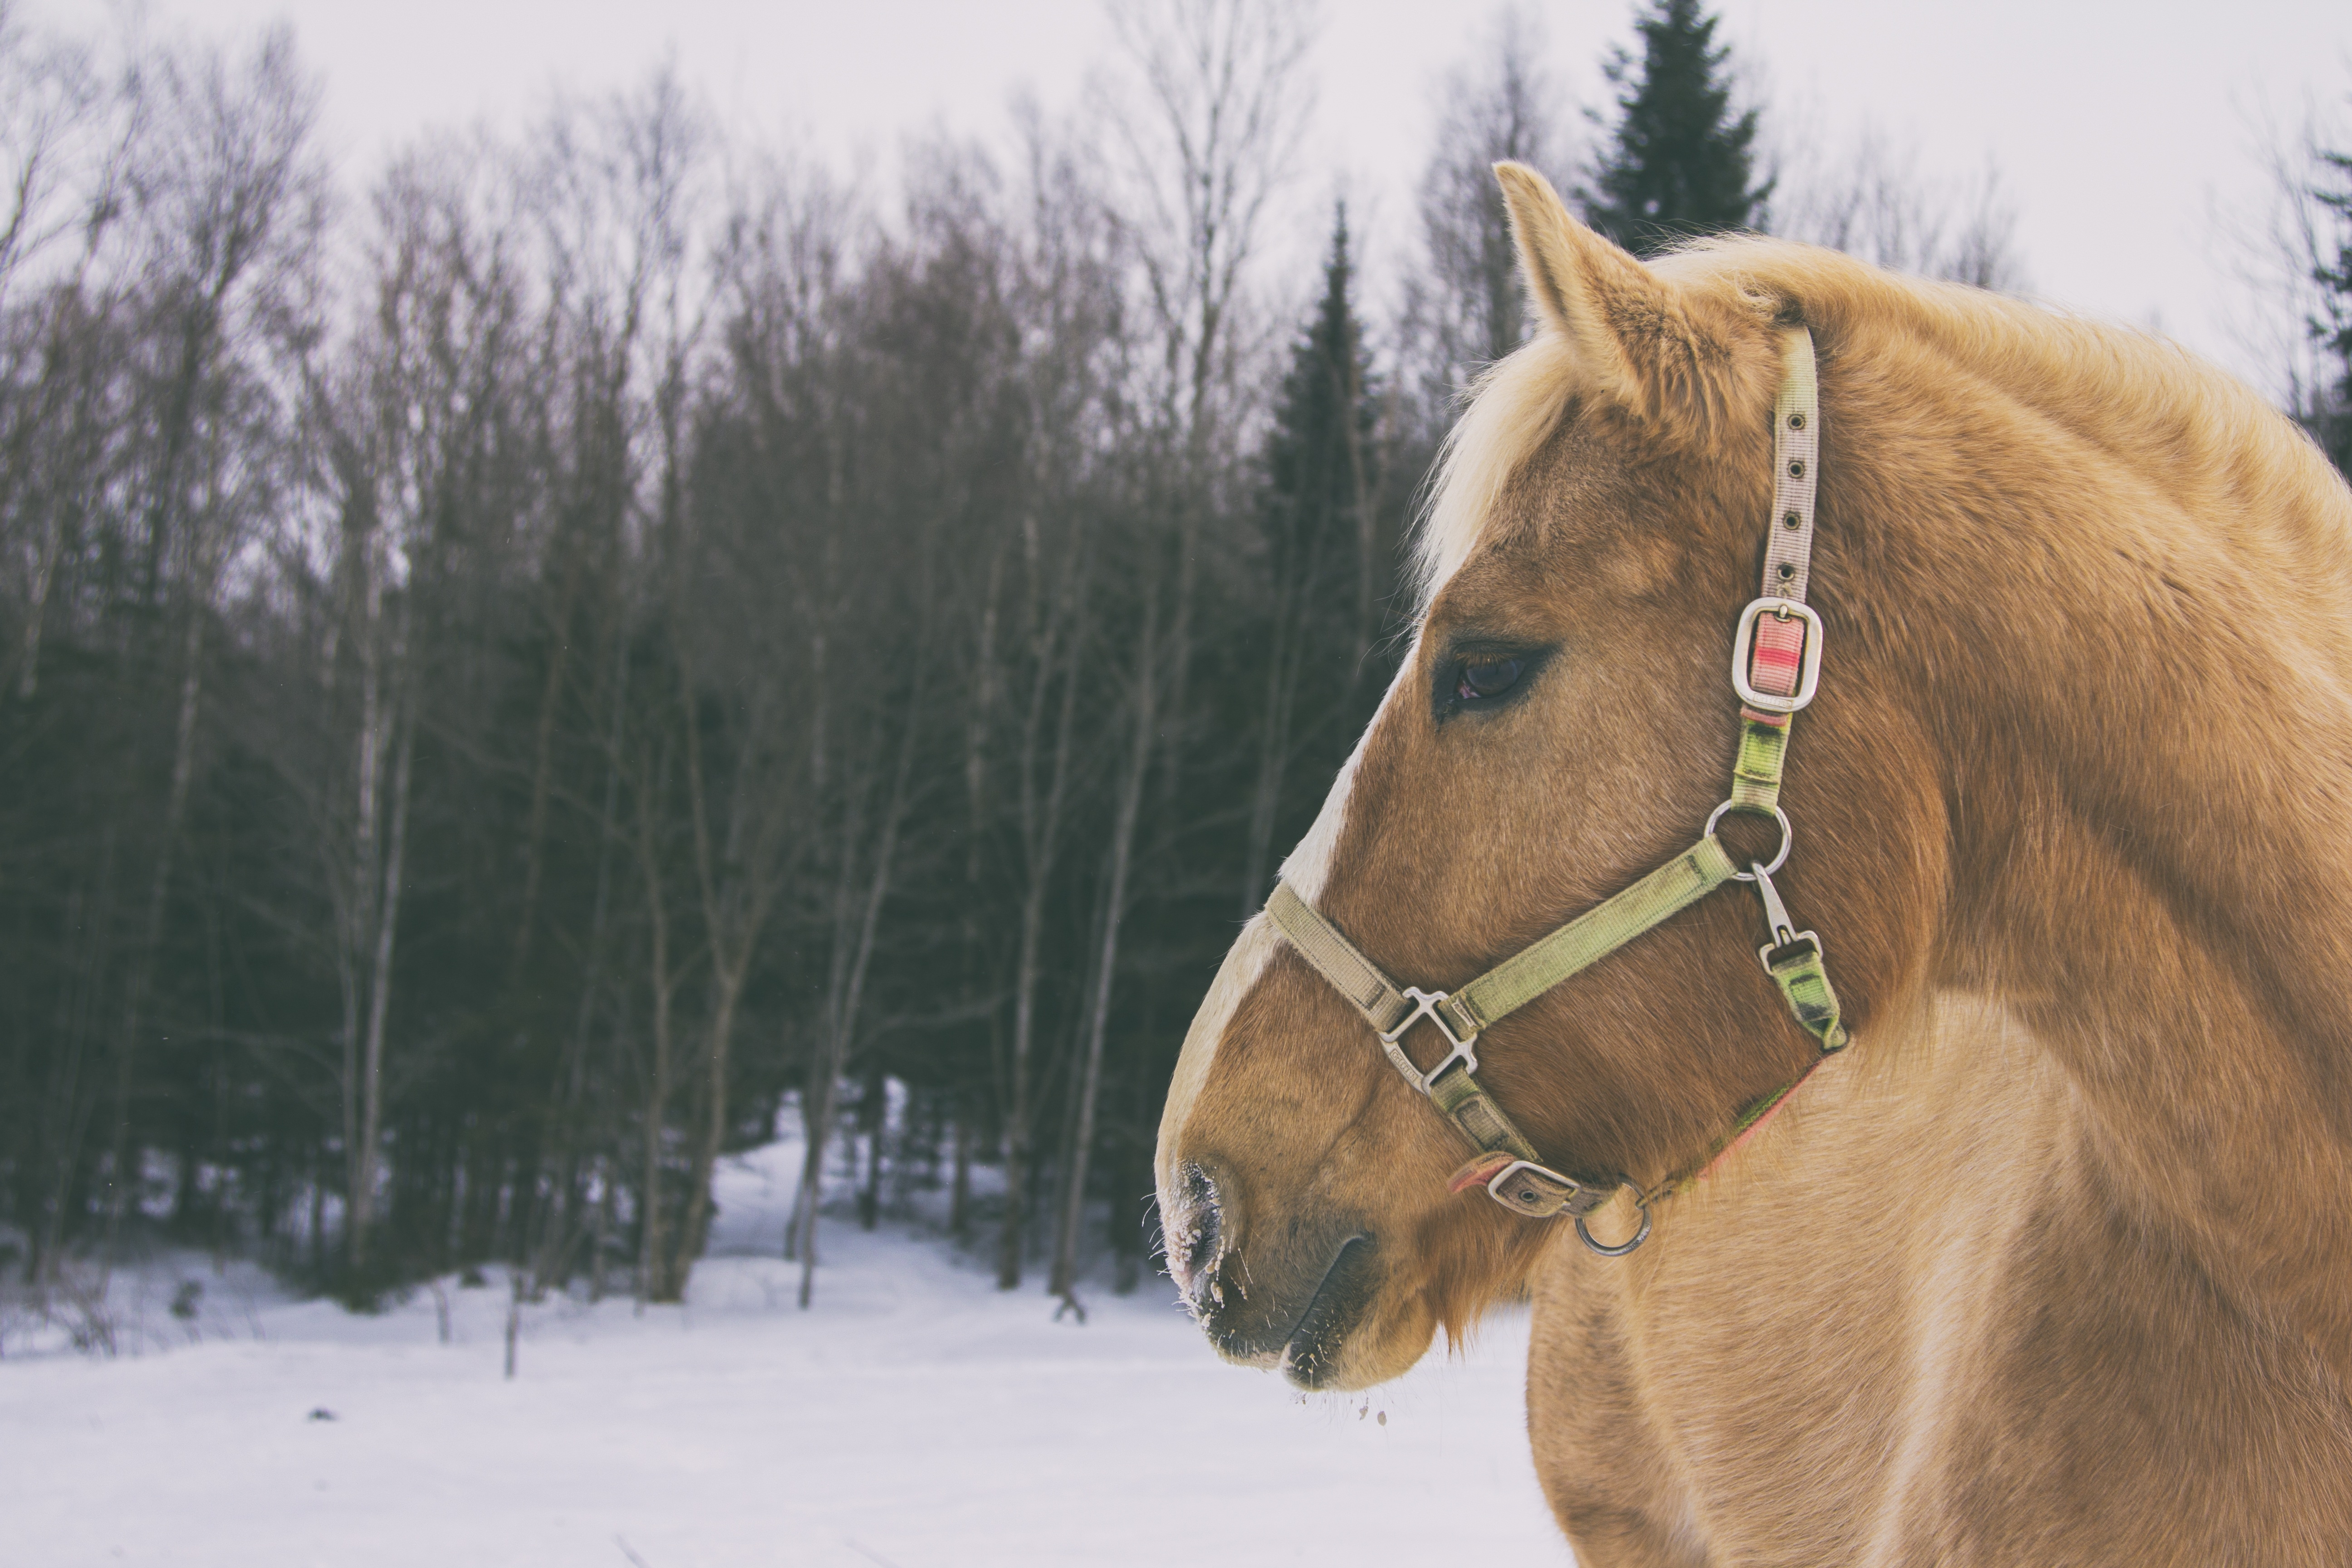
1756 1126
1780 656
1478 1172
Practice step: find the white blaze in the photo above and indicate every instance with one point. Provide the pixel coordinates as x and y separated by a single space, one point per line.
1307 868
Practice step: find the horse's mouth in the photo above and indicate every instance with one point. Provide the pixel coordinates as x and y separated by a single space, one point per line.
1245 1304
1310 1355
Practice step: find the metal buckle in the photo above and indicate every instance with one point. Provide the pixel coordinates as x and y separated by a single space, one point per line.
1743 650
1494 1187
1424 1005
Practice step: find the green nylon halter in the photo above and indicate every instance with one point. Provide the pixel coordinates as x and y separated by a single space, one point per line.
1775 666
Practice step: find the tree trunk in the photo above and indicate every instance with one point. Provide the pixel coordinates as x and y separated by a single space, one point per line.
142 962
543 759
1064 1282
1043 825
836 1058
729 991
959 1182
873 1114
362 1211
571 1135
652 1282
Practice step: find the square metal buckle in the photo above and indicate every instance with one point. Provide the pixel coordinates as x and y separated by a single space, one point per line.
1424 1005
1743 651
1527 1199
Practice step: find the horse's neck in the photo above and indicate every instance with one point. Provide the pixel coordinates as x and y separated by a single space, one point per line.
2151 868
1926 1280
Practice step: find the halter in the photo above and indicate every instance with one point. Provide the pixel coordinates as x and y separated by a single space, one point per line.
1776 665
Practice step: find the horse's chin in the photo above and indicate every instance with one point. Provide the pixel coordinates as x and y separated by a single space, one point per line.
1374 1348
1315 1353
1341 1332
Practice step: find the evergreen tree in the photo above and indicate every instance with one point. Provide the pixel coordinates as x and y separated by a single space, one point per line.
1681 161
1322 424
1332 562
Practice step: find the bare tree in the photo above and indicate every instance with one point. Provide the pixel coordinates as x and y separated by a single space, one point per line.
1142 701
2285 244
1877 202
66 134
411 435
229 197
1462 307
1207 118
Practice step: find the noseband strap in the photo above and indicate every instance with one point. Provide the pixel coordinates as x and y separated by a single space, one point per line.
1775 666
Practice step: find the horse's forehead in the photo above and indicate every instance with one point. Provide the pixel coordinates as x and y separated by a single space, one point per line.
1565 507
1573 536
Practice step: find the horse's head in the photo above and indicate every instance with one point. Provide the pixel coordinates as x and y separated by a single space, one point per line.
1562 724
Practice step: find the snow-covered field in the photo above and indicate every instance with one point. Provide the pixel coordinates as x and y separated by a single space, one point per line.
916 1417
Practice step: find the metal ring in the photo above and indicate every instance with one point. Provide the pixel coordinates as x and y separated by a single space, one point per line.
1778 860
1619 1250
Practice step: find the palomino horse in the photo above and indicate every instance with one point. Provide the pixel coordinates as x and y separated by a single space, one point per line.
2054 1264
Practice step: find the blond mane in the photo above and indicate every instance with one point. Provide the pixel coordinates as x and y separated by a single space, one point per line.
2125 389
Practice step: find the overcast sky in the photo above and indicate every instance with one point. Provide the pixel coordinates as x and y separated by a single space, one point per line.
2119 131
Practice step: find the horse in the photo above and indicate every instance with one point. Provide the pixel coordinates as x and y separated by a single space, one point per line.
2029 1242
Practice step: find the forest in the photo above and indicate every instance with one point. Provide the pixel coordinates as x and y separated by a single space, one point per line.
518 677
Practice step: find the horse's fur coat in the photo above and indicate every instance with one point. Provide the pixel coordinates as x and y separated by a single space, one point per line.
2055 1264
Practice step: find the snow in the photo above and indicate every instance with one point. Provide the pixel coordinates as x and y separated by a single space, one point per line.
915 1418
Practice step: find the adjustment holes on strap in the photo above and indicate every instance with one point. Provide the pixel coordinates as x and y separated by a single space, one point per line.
1796 421
1796 467
1793 521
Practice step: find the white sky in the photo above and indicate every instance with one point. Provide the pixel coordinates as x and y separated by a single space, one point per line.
2120 129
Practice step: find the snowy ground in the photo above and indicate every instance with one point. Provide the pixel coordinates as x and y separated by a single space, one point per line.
916 1419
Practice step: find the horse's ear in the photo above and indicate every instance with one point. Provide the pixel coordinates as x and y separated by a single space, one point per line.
1677 363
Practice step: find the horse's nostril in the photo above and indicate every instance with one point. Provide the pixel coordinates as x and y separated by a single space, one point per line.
1196 1231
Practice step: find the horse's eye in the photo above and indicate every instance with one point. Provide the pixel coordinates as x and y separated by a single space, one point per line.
1488 679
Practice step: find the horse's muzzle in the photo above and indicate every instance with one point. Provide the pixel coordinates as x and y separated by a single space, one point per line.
1290 1304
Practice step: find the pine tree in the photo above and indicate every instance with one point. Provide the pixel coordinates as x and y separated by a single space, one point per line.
1330 564
1681 162
1322 421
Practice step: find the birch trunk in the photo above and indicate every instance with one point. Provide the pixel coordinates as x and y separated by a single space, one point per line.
845 1016
1064 1282
653 1283
1042 821
159 892
555 1245
380 1001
